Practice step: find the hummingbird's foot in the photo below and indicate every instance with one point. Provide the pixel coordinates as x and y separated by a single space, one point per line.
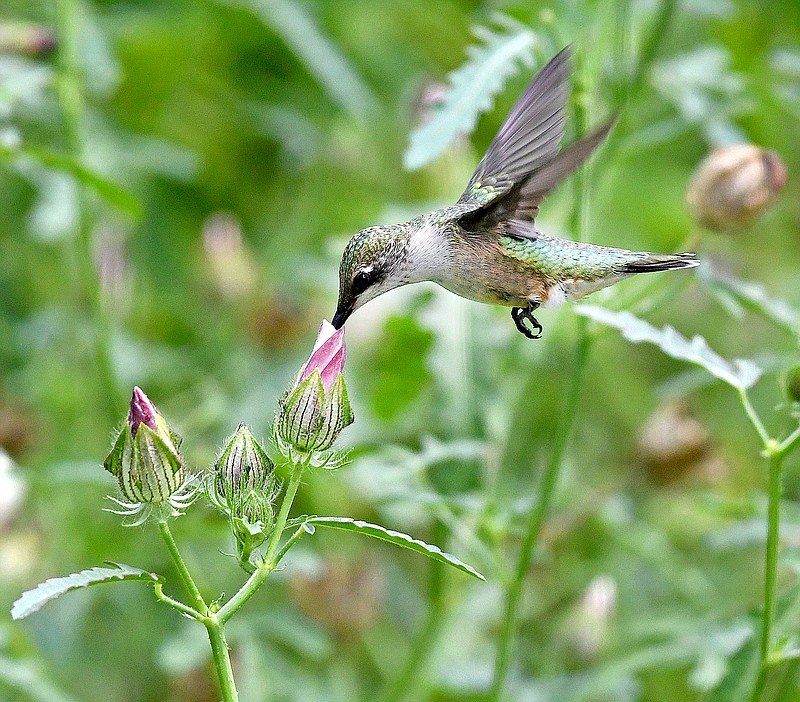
520 315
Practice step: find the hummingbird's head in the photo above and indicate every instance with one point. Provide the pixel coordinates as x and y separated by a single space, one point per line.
372 264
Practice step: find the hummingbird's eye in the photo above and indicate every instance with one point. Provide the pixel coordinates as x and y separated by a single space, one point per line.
361 281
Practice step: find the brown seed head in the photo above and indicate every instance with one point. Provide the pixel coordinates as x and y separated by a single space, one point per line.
734 185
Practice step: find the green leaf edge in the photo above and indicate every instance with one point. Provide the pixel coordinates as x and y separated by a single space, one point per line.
741 374
33 600
489 65
395 537
107 189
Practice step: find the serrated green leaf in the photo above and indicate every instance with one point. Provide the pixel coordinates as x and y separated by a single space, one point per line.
395 537
737 295
107 189
33 600
472 88
739 373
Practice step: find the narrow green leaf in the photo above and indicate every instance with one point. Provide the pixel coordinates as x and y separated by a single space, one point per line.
741 374
321 57
110 191
395 537
472 88
33 600
738 295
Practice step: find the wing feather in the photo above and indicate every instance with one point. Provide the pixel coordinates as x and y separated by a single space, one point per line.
530 135
523 162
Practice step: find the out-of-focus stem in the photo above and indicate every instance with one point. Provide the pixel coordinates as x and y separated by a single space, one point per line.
87 282
755 420
411 673
651 45
538 515
563 430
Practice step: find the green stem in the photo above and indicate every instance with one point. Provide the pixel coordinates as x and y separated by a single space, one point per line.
412 671
222 659
183 571
755 420
775 459
577 224
651 46
538 515
214 624
87 284
256 580
790 443
175 604
302 529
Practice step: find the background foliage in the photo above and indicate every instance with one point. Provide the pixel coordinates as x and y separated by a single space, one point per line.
177 182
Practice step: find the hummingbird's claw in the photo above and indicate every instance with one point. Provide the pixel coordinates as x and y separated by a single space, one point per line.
522 314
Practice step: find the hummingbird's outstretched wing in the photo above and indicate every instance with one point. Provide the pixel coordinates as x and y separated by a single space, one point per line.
529 137
523 162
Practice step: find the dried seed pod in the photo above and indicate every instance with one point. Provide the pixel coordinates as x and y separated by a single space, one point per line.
734 185
672 443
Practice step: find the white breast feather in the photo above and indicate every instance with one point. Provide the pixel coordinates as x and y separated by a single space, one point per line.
428 254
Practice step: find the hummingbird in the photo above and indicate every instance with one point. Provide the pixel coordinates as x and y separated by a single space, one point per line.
487 247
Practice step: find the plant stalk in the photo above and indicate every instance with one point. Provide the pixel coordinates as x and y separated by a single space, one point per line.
412 672
538 515
80 256
775 461
222 659
183 571
256 580
577 223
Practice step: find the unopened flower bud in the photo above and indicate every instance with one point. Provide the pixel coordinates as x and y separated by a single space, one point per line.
147 463
734 185
27 38
673 444
316 409
791 384
244 479
243 486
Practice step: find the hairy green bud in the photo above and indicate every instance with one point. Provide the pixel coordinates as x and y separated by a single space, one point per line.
243 486
147 463
313 412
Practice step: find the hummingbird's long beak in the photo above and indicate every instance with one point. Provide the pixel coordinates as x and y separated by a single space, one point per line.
341 316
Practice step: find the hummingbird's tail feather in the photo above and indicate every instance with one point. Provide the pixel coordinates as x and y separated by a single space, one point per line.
650 263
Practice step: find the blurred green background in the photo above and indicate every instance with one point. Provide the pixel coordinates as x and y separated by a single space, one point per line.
177 182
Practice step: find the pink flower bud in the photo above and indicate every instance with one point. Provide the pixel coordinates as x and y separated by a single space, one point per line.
142 411
147 463
316 408
327 357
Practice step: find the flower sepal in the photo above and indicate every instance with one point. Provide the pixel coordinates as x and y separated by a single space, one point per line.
243 486
146 461
313 412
